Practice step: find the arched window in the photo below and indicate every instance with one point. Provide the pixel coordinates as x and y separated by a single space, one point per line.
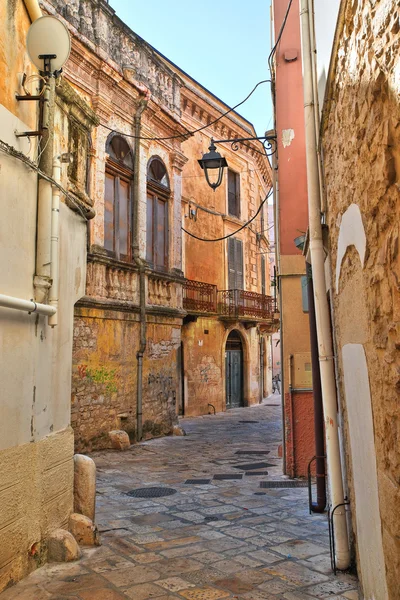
158 192
117 197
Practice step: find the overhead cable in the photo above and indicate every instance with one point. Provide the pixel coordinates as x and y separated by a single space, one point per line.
225 237
188 133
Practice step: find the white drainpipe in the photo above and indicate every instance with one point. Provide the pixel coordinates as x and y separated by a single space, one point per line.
26 305
54 249
33 8
325 345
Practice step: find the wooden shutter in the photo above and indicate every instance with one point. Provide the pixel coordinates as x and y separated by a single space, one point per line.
159 237
239 264
124 206
109 207
233 193
263 275
149 228
231 264
235 264
237 192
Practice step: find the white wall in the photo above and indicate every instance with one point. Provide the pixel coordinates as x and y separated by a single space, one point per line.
35 360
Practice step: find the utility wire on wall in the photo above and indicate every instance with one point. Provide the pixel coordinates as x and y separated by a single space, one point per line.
11 151
225 237
278 39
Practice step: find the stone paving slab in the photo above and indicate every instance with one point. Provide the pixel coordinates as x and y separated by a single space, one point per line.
221 540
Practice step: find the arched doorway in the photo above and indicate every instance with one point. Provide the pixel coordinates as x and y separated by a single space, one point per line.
234 370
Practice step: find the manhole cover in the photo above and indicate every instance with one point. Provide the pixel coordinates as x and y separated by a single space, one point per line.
228 476
151 492
283 484
248 421
254 466
255 452
256 473
197 481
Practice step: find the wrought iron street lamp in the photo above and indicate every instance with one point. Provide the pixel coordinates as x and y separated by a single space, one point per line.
213 163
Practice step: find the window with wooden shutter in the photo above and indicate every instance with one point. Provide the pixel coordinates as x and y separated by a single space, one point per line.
235 264
117 198
263 275
157 229
233 193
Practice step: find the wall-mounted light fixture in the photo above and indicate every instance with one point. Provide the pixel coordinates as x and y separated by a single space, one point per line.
48 45
213 163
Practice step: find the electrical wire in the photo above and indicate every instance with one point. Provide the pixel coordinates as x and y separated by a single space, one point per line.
225 237
4 147
278 39
189 133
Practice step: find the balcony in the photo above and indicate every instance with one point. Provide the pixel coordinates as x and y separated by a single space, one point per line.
204 298
199 297
247 306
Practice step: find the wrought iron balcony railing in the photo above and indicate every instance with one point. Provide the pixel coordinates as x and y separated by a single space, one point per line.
240 304
199 297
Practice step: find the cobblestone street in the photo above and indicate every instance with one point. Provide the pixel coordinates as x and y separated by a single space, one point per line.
223 537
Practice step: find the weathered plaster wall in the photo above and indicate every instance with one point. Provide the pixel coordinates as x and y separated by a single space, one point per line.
204 365
36 441
104 375
362 160
300 439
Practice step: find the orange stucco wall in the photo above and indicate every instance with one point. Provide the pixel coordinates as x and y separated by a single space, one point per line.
292 222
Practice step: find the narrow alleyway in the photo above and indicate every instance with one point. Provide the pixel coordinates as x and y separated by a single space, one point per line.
223 537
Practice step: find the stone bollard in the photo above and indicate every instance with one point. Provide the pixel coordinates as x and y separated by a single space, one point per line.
119 440
84 530
84 486
176 430
62 546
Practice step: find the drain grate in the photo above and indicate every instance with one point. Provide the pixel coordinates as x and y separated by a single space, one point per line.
212 518
228 476
283 484
254 466
197 481
256 473
248 421
260 494
151 492
255 452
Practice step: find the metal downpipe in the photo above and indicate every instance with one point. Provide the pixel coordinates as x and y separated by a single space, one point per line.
142 279
319 506
324 333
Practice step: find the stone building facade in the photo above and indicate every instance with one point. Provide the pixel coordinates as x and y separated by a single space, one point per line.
36 439
128 337
132 280
361 148
226 357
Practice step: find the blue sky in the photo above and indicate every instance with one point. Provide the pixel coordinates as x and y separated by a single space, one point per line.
224 44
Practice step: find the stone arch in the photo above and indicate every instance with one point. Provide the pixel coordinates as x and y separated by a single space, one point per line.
246 363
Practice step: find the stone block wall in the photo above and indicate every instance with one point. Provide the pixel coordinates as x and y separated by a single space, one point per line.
361 142
104 385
